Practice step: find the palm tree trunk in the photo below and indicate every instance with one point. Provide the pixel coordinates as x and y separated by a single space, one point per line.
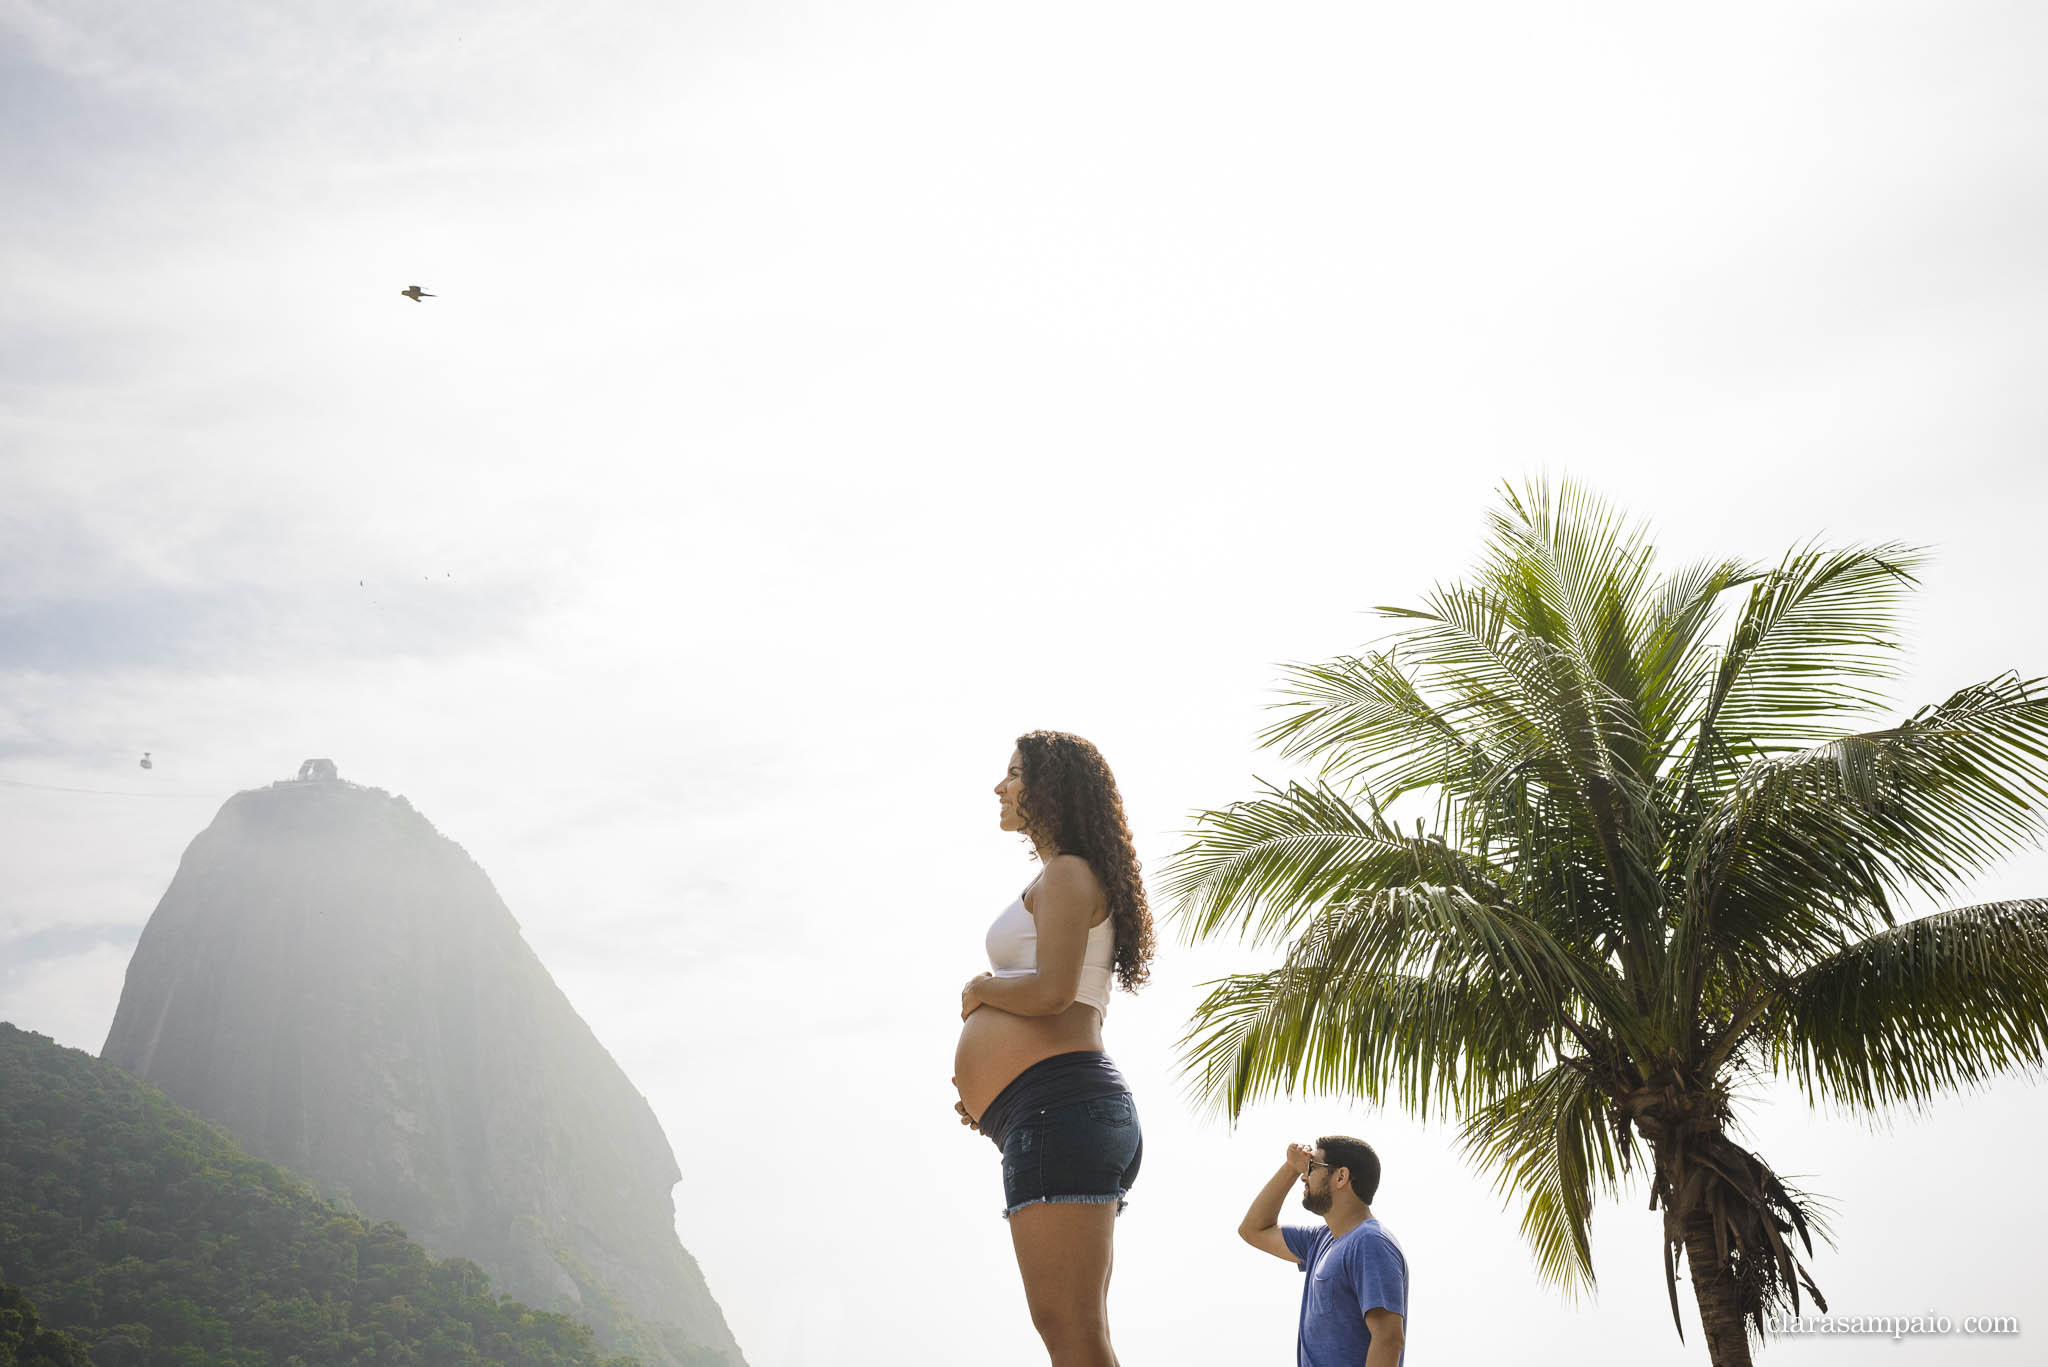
1719 1296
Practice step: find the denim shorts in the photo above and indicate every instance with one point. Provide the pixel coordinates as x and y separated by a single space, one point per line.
1085 1152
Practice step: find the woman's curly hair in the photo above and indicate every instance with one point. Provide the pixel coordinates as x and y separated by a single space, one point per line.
1070 800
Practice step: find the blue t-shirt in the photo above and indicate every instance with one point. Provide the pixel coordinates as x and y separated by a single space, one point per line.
1364 1270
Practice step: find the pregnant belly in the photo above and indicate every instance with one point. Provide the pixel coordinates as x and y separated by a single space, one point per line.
995 1046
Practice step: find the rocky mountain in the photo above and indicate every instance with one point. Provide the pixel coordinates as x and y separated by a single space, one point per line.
340 987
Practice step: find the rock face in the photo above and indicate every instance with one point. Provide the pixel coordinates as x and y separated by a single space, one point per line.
340 987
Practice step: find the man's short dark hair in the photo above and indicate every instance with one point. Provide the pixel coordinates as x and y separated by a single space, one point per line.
1342 1151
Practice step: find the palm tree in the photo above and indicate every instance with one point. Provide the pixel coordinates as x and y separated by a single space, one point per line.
1661 866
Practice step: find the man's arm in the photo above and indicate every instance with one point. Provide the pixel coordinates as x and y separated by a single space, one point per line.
1388 1335
1379 1278
1261 1224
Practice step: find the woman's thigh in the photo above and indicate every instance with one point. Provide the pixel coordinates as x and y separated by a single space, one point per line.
1063 1252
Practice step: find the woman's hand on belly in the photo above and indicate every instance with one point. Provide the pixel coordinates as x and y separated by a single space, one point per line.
970 1001
995 1045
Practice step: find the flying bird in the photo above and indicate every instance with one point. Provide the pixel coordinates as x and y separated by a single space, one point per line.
145 760
415 293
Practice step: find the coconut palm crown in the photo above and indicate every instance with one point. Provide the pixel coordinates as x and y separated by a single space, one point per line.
1670 843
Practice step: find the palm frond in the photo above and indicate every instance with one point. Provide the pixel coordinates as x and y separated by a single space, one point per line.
1551 1144
1258 1032
1541 716
1264 865
1367 720
1430 1042
1510 685
1675 668
1811 644
1808 846
1576 573
1947 1001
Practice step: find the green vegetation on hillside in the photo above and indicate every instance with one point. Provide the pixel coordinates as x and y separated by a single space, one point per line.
25 1343
142 1230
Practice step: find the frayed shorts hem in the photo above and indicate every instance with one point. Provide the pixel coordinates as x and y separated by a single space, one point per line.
1119 1199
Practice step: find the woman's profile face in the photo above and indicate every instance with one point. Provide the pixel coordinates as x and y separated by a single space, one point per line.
1010 793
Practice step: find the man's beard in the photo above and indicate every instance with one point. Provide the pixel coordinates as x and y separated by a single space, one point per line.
1314 1204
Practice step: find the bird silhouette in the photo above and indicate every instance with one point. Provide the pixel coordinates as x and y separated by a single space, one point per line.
415 293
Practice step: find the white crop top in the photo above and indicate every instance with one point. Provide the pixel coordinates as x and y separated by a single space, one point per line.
1013 952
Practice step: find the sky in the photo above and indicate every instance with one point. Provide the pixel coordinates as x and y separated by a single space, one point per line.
817 396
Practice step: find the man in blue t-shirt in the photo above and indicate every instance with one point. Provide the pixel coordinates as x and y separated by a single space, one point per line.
1354 1299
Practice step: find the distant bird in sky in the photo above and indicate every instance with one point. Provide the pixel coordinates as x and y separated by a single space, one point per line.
145 760
415 293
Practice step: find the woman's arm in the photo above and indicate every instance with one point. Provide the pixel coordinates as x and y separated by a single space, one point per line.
1070 900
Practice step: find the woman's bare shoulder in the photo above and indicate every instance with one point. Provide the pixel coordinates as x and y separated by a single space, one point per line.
1070 877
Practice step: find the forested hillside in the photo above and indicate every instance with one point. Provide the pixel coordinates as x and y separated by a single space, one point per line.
144 1232
25 1343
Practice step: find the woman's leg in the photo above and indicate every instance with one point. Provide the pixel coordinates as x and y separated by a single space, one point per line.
1108 1269
1063 1250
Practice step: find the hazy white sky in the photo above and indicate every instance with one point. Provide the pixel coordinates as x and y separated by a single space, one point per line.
820 395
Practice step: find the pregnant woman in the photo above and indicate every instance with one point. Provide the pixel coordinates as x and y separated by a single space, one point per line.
1030 1068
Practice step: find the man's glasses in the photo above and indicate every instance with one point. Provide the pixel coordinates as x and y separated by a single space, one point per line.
1315 1163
